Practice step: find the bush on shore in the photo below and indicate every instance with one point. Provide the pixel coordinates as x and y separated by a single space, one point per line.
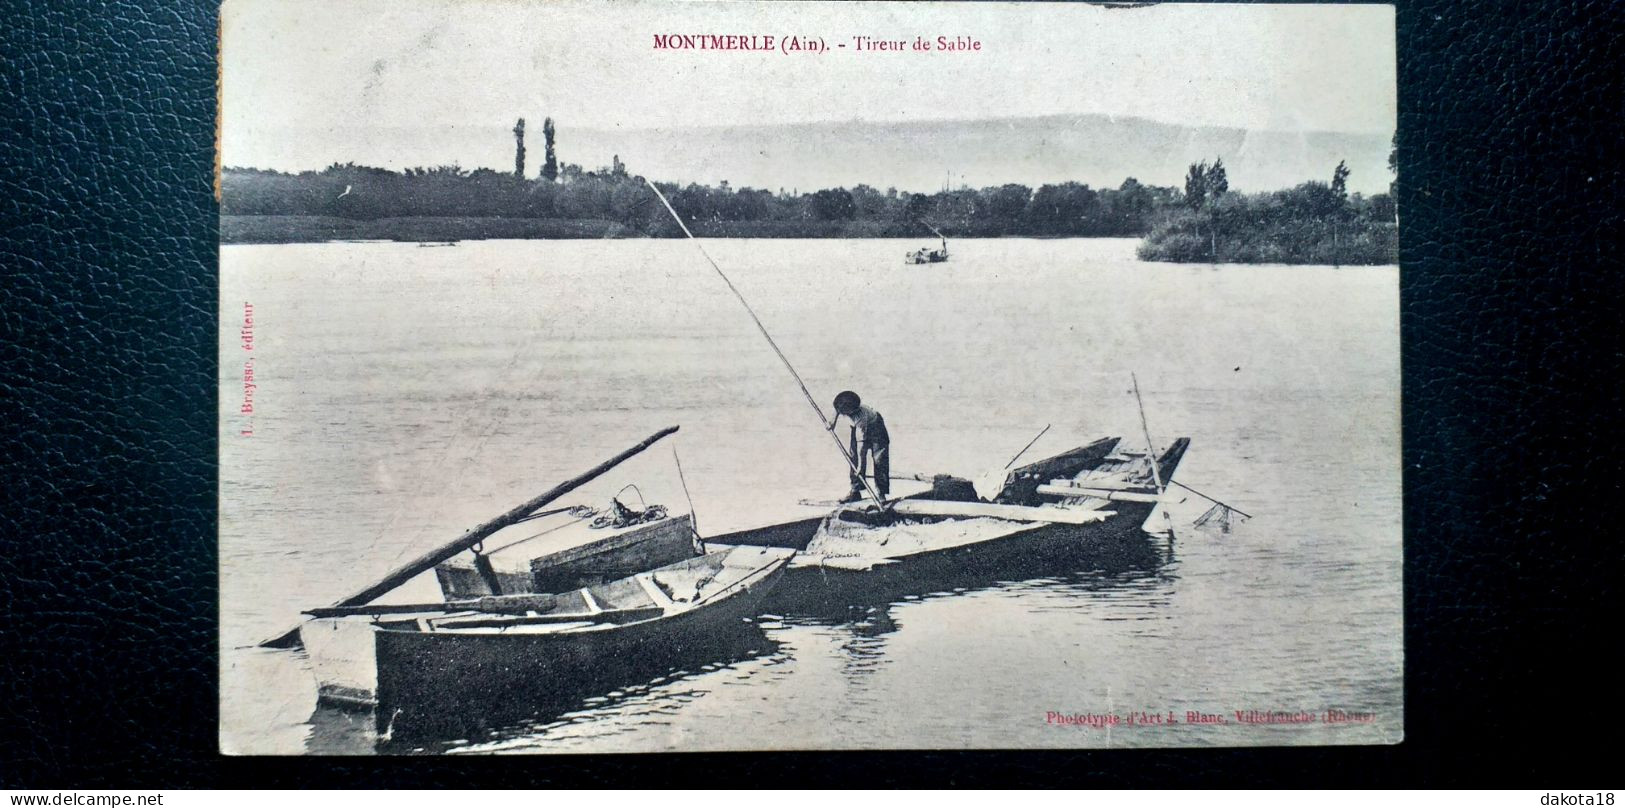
1309 224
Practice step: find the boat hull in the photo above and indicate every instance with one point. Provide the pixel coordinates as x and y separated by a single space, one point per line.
456 685
1027 551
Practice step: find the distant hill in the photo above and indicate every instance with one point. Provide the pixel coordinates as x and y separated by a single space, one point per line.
917 156
1094 149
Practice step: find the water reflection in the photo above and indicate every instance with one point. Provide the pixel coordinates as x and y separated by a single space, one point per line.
1131 580
480 715
863 650
1105 561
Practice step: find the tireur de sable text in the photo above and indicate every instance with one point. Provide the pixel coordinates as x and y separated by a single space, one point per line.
813 44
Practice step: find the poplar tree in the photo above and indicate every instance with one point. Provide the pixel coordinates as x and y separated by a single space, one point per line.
550 165
1218 182
1196 185
1340 180
519 149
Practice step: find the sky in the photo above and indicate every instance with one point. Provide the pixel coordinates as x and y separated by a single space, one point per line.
397 70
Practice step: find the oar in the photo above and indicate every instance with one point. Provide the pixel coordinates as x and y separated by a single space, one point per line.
1210 499
1028 446
290 639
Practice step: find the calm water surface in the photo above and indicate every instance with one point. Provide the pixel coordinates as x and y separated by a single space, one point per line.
405 394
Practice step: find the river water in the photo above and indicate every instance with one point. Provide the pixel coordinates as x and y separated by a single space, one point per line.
402 394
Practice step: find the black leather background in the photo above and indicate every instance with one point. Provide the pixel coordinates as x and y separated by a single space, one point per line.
1510 127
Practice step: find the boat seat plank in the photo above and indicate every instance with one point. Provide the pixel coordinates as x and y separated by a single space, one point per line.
653 590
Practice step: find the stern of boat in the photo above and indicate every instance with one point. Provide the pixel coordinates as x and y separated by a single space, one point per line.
344 656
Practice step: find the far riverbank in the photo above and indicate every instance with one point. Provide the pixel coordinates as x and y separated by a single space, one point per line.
1355 246
273 229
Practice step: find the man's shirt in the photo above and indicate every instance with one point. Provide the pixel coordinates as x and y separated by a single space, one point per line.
869 427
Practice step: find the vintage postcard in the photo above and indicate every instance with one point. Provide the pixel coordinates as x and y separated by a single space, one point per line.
683 376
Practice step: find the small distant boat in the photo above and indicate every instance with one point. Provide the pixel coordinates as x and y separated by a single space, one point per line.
927 255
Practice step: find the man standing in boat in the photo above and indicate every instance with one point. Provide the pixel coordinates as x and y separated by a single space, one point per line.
870 440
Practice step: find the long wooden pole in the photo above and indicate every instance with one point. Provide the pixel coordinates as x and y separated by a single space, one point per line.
851 462
1151 454
402 574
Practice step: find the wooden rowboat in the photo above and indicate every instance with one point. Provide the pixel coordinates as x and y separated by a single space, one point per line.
419 666
504 639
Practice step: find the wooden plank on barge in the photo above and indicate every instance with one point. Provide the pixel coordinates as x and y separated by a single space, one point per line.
1107 484
1014 513
1055 490
851 563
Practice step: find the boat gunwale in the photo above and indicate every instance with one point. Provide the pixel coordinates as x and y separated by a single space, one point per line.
1169 457
731 590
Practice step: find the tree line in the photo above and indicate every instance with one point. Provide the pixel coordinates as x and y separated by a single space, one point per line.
362 192
1315 222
